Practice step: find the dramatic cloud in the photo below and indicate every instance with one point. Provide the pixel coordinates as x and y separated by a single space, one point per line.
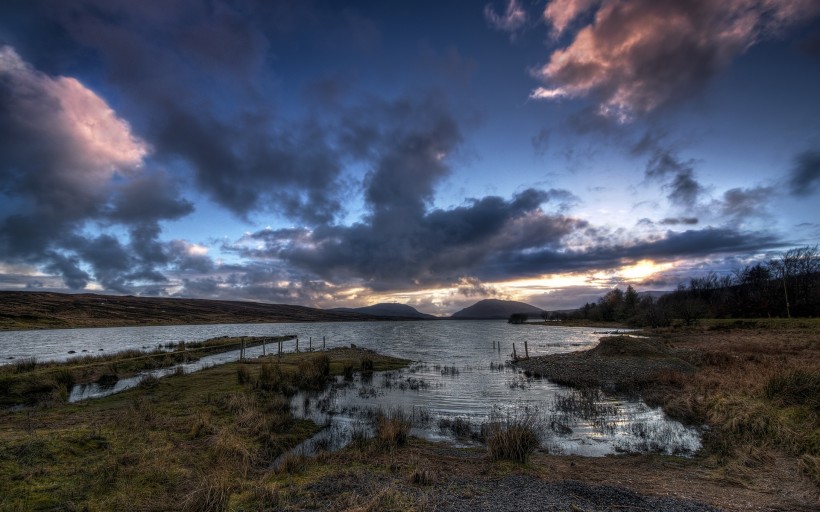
639 55
195 77
67 160
804 179
407 248
672 245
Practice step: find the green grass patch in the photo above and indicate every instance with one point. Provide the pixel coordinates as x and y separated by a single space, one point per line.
196 441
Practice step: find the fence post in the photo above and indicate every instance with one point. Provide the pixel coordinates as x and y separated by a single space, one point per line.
526 350
515 357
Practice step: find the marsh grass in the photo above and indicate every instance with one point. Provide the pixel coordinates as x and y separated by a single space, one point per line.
199 441
458 426
392 429
755 386
512 435
27 382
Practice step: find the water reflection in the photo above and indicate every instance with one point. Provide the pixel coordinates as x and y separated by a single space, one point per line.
588 422
459 376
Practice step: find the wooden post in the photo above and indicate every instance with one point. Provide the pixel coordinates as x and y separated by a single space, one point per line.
526 350
242 350
280 348
263 347
515 357
310 344
323 342
297 343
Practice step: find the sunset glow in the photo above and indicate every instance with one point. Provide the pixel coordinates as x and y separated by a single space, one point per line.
331 154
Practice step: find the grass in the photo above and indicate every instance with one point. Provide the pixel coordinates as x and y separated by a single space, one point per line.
27 382
392 429
199 441
204 441
756 384
512 435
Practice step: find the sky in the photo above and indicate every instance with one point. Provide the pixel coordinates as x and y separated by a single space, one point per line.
330 153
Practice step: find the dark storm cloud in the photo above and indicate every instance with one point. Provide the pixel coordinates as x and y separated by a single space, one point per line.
67 160
804 179
673 245
409 247
195 78
148 197
636 56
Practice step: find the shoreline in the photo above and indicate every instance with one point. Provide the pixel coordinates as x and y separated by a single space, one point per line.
155 446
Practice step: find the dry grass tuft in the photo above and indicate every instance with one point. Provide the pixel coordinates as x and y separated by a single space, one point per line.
512 435
212 494
392 429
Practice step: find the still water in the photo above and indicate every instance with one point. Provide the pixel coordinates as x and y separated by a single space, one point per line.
459 376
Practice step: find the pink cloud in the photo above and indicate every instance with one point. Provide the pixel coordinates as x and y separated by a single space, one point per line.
92 141
560 13
638 55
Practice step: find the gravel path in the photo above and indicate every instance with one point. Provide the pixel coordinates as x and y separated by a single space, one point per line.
521 493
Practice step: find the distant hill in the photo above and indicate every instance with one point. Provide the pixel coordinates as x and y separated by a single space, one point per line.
46 310
384 309
494 309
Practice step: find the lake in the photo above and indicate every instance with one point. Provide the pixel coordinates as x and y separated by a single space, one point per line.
459 377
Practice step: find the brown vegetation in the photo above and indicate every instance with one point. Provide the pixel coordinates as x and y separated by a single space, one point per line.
754 384
45 310
200 441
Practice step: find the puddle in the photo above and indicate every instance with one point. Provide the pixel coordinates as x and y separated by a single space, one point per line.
567 421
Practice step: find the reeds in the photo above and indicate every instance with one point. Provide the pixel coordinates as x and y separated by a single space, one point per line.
513 434
392 429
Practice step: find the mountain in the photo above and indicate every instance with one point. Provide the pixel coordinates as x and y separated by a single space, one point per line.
387 310
38 310
492 309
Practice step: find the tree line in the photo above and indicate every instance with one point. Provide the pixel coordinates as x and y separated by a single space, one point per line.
786 286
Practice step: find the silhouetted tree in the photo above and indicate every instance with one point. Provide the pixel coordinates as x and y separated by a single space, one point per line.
517 318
